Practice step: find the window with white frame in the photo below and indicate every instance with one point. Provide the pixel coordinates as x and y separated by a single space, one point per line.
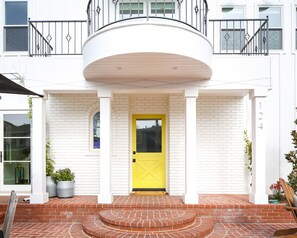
96 131
232 30
165 9
275 41
15 26
131 9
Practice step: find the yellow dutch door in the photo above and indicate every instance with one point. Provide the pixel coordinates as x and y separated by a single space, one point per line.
148 156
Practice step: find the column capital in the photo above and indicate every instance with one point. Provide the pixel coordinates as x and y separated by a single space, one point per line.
104 93
259 93
191 92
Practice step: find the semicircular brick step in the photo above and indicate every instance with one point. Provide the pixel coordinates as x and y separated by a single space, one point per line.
115 223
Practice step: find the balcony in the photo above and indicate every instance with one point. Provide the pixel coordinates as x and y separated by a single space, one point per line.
148 39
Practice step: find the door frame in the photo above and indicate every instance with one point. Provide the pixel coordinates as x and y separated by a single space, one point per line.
164 143
7 188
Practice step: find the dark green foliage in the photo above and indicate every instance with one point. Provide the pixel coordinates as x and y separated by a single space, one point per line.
49 160
291 157
63 175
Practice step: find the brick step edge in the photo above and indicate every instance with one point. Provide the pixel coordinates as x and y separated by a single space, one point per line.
201 227
135 219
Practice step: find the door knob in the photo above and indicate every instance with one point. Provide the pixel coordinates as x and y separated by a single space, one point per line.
134 160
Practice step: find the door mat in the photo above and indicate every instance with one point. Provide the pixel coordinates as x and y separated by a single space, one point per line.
149 193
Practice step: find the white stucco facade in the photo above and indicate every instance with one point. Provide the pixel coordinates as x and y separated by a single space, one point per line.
208 101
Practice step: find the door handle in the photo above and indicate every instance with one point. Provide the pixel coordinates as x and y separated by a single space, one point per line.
134 160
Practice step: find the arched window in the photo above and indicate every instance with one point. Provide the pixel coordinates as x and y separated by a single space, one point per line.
96 131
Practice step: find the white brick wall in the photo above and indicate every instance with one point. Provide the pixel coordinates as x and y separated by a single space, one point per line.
220 152
220 146
120 162
176 145
69 132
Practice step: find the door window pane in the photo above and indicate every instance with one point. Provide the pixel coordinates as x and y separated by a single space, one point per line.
16 13
16 148
149 135
275 30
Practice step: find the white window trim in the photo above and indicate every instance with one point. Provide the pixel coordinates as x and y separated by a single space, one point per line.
282 24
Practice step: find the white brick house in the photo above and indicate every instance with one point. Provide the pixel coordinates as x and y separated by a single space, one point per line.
166 70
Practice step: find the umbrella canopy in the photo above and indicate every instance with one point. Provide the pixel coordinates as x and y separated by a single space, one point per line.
8 86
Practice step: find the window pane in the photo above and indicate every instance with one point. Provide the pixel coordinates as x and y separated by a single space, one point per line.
131 9
163 8
96 131
16 125
16 149
232 39
16 13
274 14
17 173
16 38
233 13
275 39
149 135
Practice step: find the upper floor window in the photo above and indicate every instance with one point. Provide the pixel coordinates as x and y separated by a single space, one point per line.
96 131
131 9
275 41
163 8
232 32
15 28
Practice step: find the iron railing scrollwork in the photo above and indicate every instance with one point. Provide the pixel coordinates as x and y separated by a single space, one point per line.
102 13
240 36
56 37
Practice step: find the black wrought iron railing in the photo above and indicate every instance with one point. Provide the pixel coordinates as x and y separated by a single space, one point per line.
102 13
56 37
240 36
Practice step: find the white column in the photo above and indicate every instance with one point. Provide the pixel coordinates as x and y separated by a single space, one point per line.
38 133
191 196
258 195
105 195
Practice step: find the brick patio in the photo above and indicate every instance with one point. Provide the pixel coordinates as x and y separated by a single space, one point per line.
233 215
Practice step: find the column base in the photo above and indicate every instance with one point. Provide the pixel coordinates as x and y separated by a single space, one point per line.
105 198
39 198
258 198
191 198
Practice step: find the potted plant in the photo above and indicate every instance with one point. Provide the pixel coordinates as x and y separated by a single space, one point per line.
276 192
51 186
65 182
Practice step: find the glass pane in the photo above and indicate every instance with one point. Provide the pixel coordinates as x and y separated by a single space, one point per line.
16 149
131 9
274 14
96 131
163 8
149 135
16 13
232 39
16 173
232 13
275 39
16 38
16 125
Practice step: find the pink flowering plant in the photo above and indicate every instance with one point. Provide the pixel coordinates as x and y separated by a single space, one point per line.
276 191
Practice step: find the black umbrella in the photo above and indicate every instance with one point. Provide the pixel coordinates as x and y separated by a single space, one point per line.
8 86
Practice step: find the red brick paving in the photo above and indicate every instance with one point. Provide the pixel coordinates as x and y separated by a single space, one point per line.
74 230
233 214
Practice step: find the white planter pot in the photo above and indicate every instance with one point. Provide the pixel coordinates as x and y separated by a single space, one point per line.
65 189
51 187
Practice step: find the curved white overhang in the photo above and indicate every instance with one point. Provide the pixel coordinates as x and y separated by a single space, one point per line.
147 50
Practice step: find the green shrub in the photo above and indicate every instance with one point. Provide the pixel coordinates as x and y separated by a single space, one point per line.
63 175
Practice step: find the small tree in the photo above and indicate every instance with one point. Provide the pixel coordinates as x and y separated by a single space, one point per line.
291 157
49 160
